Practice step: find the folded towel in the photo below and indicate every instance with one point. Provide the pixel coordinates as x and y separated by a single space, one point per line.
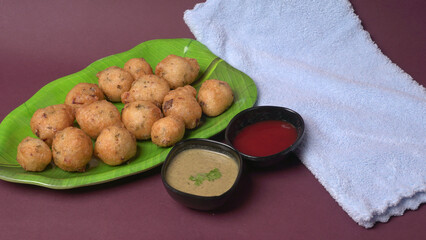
365 117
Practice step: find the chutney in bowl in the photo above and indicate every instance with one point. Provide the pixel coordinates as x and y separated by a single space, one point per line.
201 173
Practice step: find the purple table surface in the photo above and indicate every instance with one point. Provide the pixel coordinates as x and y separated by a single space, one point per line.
41 41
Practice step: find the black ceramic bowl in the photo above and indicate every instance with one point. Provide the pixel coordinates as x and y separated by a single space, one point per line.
196 201
263 113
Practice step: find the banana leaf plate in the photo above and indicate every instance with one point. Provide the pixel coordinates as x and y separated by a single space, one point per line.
16 125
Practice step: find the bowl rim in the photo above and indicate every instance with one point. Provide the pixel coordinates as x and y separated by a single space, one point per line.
181 144
270 107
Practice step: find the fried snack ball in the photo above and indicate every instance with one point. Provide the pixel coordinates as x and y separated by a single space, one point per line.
182 102
96 116
178 71
147 87
168 131
137 67
83 94
139 116
115 145
185 91
114 81
214 97
33 154
72 149
45 122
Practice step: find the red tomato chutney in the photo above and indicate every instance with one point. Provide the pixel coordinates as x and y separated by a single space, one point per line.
265 138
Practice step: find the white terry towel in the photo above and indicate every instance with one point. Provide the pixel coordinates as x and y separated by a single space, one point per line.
365 117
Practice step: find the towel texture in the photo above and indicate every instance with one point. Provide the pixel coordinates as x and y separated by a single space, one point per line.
365 117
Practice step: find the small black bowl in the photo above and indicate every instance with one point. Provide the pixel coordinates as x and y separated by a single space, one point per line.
195 201
264 113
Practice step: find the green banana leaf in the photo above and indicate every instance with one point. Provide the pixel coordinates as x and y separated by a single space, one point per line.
16 125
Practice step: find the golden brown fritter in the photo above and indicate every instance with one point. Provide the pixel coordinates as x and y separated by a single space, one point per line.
139 116
114 81
215 97
137 67
33 154
168 131
45 122
182 102
185 91
94 117
115 145
149 88
178 71
72 149
83 94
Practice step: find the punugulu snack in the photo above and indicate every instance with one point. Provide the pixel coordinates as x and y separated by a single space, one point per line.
83 94
114 81
178 71
149 88
158 106
72 149
167 131
214 97
96 116
33 154
185 91
115 145
137 67
139 116
45 122
182 102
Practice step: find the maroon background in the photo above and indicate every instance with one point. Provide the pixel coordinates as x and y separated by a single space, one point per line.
41 41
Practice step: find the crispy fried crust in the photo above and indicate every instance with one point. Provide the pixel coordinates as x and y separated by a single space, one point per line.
45 122
148 88
139 116
178 71
115 145
137 67
83 94
72 149
33 154
168 131
94 117
215 97
114 81
182 102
